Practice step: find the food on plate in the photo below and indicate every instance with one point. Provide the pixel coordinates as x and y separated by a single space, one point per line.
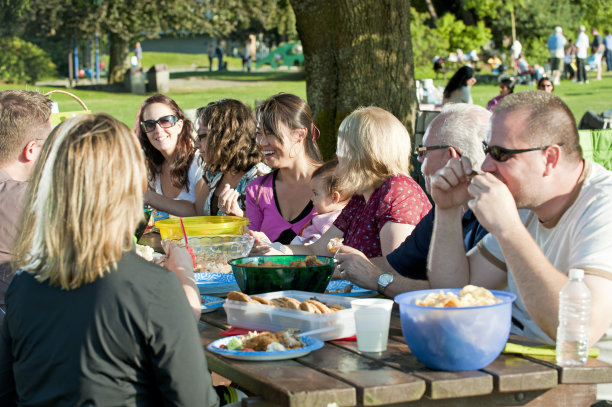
469 296
309 261
312 305
334 244
344 290
147 253
266 341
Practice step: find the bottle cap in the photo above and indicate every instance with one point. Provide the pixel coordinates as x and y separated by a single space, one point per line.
576 274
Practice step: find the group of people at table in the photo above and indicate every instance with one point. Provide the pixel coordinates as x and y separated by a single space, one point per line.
90 322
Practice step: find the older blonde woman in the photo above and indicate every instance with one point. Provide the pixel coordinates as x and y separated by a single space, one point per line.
373 166
89 321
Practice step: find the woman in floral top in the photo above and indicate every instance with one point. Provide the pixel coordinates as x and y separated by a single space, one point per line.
226 139
373 165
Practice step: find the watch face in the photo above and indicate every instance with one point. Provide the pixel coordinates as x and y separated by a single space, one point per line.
385 279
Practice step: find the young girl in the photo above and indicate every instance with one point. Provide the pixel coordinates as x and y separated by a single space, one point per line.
327 201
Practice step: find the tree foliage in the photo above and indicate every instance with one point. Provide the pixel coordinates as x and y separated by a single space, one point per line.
23 62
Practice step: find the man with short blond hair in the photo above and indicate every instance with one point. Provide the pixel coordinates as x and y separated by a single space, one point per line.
25 123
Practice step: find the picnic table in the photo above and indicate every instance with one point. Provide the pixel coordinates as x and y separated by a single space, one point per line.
339 373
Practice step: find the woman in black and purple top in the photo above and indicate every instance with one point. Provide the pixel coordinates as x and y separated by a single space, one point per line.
278 204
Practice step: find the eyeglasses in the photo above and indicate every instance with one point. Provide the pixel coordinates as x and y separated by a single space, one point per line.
164 122
504 154
421 150
201 136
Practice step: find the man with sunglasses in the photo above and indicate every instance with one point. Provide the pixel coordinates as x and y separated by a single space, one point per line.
457 131
533 161
25 123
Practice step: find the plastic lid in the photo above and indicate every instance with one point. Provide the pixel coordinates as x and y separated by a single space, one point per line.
576 274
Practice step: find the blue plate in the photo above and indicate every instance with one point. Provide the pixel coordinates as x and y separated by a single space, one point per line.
222 278
310 342
336 287
210 303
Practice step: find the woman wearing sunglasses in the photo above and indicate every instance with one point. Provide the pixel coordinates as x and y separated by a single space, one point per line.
172 160
232 159
89 322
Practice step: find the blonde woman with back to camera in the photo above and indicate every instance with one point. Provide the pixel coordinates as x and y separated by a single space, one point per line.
89 321
373 167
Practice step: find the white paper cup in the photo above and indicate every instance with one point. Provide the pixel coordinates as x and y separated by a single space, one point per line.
372 317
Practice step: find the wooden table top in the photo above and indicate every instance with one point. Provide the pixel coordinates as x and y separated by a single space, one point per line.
339 373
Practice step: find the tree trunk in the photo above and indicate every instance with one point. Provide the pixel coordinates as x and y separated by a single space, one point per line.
432 10
118 59
357 53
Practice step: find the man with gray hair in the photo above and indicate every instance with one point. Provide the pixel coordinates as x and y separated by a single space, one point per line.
25 123
458 131
534 161
556 47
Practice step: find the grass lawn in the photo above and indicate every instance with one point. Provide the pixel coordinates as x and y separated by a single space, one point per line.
196 87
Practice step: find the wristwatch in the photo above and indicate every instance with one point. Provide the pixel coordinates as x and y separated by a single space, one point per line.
383 281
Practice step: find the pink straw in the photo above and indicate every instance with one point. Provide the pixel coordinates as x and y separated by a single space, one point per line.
189 248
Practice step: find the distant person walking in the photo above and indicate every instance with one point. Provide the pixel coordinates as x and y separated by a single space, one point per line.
211 55
138 54
570 54
608 51
556 47
219 54
582 45
597 50
516 49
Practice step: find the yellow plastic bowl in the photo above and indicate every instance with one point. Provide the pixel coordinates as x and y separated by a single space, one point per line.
202 225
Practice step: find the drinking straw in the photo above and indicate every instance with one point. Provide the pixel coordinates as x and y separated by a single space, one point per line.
189 248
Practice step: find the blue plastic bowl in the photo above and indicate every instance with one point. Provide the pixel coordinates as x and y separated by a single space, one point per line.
455 339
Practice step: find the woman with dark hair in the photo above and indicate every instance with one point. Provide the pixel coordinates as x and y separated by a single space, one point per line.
278 204
106 327
458 88
546 85
171 158
226 139
506 87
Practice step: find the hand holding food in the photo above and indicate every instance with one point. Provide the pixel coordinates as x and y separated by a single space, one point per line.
334 244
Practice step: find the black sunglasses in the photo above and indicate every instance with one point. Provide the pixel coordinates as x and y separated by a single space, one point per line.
201 136
164 122
421 150
504 154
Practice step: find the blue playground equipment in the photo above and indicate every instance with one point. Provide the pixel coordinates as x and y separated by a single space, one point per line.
289 54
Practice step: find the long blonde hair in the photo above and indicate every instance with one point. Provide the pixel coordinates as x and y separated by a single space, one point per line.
374 145
84 202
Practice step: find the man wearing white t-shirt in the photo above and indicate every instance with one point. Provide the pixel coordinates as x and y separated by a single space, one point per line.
582 46
534 161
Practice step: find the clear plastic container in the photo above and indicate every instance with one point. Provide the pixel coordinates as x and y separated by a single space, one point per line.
262 317
573 331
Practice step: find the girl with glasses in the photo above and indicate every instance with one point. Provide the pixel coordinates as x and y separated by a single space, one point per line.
174 172
232 159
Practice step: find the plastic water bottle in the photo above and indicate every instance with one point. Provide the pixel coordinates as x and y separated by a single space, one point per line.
573 330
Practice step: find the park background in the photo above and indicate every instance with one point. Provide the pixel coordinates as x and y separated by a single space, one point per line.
357 52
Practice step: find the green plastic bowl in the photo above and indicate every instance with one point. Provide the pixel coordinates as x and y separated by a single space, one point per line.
257 280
